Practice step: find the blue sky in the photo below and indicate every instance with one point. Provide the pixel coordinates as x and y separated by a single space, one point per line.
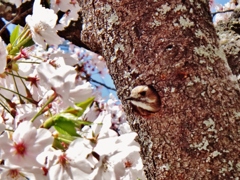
221 1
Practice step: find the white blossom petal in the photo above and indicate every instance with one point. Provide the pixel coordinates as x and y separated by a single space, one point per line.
3 56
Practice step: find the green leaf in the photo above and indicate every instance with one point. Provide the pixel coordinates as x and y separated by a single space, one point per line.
74 119
14 34
68 116
24 43
80 122
30 42
65 126
62 139
83 105
52 121
57 144
49 122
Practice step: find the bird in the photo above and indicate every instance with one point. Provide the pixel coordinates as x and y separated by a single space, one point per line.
145 100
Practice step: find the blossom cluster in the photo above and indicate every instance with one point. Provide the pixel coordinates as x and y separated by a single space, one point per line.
223 12
54 124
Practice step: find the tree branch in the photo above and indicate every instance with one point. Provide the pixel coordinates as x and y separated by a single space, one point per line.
102 84
15 19
219 12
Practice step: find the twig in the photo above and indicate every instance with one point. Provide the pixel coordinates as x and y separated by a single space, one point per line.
14 19
5 26
214 13
102 84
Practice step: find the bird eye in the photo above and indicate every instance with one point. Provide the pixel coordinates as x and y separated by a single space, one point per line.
143 93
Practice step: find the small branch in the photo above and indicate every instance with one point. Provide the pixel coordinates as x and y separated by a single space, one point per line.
14 19
50 100
102 84
5 26
229 10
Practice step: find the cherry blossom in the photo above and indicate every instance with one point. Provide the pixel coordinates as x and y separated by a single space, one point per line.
70 164
115 160
3 56
63 81
62 5
26 112
16 173
220 8
2 127
24 146
42 24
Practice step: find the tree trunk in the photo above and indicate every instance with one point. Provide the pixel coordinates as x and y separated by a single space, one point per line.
172 46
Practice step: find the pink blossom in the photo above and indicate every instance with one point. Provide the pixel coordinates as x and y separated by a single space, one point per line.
24 146
71 164
15 173
3 56
42 24
63 81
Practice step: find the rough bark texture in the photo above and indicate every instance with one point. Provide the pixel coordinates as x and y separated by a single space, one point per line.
171 45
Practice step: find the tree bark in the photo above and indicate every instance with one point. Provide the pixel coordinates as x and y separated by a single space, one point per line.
172 46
